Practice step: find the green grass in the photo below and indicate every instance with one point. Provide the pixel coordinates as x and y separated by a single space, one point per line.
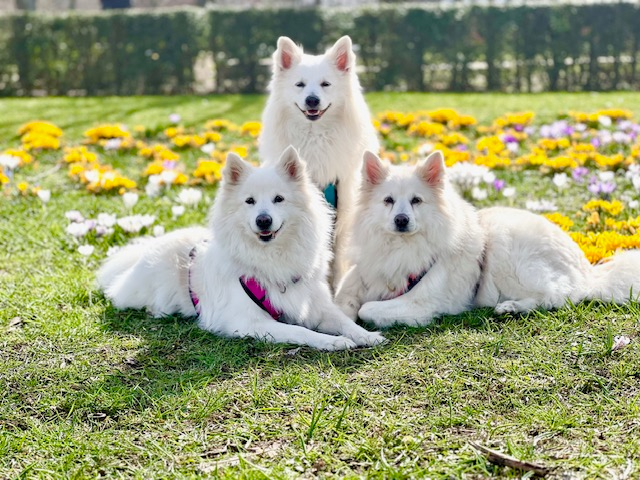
88 391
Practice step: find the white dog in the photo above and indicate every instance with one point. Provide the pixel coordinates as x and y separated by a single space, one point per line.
423 251
316 105
259 271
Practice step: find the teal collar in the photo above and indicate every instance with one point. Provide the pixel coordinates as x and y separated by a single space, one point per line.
331 194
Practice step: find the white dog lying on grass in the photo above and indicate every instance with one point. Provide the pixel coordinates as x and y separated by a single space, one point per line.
259 270
423 251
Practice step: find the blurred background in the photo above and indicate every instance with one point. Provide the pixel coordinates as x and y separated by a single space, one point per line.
144 47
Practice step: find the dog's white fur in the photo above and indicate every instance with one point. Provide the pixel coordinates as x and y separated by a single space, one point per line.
508 259
331 145
292 265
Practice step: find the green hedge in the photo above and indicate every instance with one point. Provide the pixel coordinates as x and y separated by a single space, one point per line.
525 48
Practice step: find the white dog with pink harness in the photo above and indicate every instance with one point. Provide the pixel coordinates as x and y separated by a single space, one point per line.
259 271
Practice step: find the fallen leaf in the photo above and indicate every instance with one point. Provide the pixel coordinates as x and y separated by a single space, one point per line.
619 342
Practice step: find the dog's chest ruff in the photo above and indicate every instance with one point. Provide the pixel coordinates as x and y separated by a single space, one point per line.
252 287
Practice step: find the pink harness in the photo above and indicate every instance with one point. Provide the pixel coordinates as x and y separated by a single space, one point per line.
259 296
252 288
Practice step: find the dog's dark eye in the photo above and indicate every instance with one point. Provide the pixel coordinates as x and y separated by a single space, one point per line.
278 199
250 201
300 84
416 201
325 84
389 201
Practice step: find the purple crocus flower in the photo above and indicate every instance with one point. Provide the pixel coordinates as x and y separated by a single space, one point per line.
498 184
579 173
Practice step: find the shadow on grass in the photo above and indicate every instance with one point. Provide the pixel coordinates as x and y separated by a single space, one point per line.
176 346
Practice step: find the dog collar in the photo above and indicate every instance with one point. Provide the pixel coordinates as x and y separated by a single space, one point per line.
331 194
412 280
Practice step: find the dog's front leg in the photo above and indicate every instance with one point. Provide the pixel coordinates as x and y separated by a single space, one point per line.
350 293
334 321
269 330
434 295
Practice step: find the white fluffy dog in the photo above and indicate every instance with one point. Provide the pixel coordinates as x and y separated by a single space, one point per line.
316 105
423 251
259 270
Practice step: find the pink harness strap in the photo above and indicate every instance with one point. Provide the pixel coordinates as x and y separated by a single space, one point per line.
259 295
251 286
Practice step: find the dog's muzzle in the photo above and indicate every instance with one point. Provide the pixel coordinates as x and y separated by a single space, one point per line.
312 112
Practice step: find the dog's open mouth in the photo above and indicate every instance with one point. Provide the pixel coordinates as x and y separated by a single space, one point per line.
268 235
312 114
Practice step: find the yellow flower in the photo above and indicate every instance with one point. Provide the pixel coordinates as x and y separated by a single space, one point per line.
219 124
173 131
210 170
513 119
616 113
214 137
79 154
24 157
560 163
554 144
37 140
565 223
41 127
445 115
153 169
106 131
454 138
240 150
425 129
608 162
491 144
612 208
492 161
252 128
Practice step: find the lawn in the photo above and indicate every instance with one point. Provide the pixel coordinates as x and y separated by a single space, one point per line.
89 391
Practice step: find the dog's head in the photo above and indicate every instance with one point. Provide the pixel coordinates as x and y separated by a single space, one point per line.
403 200
263 203
313 84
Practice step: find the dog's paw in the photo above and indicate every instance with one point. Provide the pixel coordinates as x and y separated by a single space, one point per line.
372 312
349 309
370 339
338 343
506 307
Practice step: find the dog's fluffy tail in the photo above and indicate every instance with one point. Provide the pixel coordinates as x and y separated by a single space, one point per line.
113 271
617 279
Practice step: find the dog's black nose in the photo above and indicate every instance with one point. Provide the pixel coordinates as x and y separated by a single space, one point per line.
263 221
401 221
312 101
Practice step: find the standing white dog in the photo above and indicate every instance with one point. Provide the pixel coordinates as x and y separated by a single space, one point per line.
316 105
259 271
423 251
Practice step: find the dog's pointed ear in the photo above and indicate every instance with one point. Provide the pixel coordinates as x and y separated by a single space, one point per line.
432 170
342 54
287 54
373 170
291 164
234 169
